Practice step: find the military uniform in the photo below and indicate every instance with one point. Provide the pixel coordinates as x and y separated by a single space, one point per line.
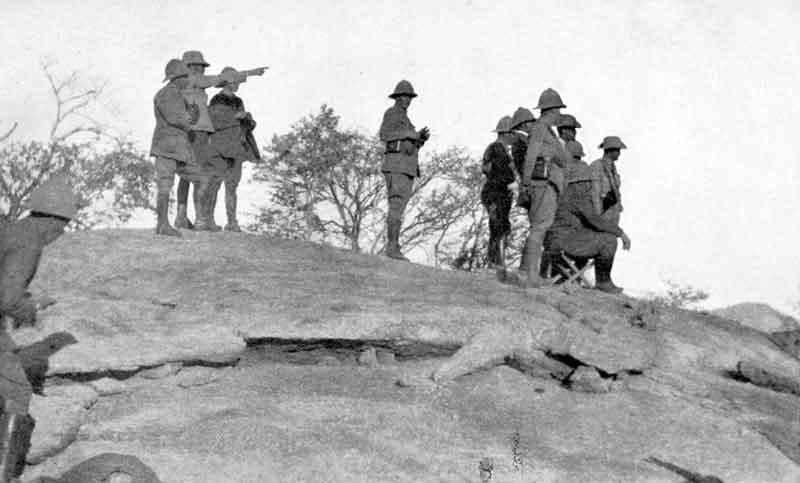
495 195
607 197
400 163
580 232
231 144
52 206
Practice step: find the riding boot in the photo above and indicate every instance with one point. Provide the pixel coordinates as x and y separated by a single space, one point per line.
15 441
211 204
533 252
602 273
200 195
393 240
181 218
230 211
162 226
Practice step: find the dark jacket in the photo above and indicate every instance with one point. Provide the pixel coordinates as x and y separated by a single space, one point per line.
519 149
576 213
232 137
497 167
173 121
402 142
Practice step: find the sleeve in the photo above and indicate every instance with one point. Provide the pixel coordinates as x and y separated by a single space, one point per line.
597 187
535 149
586 211
172 106
394 127
17 268
206 81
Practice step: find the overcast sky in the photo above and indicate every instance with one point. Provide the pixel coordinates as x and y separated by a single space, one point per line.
703 94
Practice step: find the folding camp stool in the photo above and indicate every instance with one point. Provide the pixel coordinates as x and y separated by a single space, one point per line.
565 269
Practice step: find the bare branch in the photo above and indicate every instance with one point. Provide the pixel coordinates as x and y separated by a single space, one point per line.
8 134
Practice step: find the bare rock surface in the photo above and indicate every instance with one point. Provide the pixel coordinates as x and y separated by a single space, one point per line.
477 370
59 416
759 316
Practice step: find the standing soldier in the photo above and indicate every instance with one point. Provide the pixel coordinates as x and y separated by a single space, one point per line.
607 198
567 127
496 194
52 206
521 124
231 143
542 178
400 162
195 94
170 146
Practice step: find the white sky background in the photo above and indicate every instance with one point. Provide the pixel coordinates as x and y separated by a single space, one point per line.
703 94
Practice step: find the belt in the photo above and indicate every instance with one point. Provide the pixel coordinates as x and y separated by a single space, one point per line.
392 147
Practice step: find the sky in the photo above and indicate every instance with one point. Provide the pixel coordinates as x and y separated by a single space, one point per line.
700 91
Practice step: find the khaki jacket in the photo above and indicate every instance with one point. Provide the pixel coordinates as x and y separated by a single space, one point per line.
170 137
543 143
396 128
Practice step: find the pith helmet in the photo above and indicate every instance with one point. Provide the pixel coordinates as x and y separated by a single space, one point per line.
175 68
612 142
568 120
575 149
194 57
403 88
579 172
55 197
550 100
503 125
521 115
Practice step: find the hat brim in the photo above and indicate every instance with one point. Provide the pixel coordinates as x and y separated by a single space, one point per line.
560 106
395 96
621 146
204 64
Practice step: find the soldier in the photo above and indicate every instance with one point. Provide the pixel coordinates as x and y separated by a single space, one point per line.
195 94
170 146
521 124
567 127
52 206
575 149
400 162
231 143
607 198
541 180
496 194
583 234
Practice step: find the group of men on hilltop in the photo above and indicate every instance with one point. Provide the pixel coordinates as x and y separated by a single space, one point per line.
203 143
573 208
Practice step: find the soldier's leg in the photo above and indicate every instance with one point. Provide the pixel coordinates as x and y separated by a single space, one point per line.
217 170
16 425
540 216
165 177
231 184
181 217
492 210
600 246
398 188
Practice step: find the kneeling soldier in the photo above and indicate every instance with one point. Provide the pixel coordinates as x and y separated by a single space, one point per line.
581 233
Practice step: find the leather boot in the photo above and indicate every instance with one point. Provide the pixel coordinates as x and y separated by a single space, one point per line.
181 218
230 211
211 204
15 441
602 273
533 251
393 240
163 227
200 196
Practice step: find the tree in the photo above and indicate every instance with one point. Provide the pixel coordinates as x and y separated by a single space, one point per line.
326 183
103 167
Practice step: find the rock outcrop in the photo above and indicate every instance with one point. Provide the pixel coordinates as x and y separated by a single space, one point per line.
345 356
